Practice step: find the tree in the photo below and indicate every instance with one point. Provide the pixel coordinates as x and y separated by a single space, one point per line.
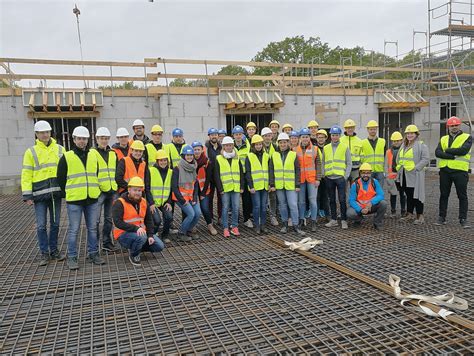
124 85
228 70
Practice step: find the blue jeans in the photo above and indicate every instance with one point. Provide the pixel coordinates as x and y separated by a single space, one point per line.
137 244
206 211
46 244
74 213
193 213
105 202
259 203
340 185
167 219
380 177
228 199
288 200
312 191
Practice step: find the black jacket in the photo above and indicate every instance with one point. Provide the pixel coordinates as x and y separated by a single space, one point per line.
217 176
124 150
212 152
117 216
145 140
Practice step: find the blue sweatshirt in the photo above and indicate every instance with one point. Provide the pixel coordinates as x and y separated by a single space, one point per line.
365 185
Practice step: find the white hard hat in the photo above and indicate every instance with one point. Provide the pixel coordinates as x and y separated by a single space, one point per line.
102 131
227 140
283 136
138 122
81 131
122 131
42 126
265 131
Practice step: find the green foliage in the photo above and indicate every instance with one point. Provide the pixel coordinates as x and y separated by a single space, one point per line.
124 85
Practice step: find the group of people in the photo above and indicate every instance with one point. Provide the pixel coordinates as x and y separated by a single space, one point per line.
137 183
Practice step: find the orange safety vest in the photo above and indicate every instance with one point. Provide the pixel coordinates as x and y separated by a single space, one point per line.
131 216
186 190
307 162
131 171
364 196
119 153
201 176
391 173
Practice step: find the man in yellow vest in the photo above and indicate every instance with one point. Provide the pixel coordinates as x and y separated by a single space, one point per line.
355 145
155 144
243 148
107 160
78 178
269 148
373 151
454 153
174 148
39 186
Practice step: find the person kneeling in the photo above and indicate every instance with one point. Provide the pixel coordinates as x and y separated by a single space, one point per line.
133 222
366 197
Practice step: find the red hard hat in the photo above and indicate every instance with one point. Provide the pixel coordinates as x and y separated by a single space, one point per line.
453 121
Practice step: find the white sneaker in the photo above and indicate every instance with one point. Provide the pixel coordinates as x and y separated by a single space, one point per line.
344 224
274 221
332 223
174 231
248 224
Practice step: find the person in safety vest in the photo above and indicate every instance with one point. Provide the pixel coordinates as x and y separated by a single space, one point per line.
373 151
269 147
313 127
229 179
78 171
133 222
337 168
155 144
174 148
355 145
242 147
138 128
122 146
204 171
107 160
158 194
131 166
221 134
309 160
286 128
393 186
454 153
323 197
213 148
412 159
257 179
39 186
366 197
284 176
251 129
275 128
294 140
185 192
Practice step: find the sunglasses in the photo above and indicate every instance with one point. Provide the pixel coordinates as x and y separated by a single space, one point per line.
157 133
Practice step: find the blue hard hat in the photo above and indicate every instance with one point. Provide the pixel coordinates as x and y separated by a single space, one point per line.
222 132
238 129
212 131
187 150
336 129
294 134
177 132
197 144
305 131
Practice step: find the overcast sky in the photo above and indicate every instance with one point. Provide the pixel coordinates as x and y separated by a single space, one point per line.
133 30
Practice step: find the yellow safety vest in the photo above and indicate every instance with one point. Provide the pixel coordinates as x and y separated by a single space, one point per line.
259 171
355 146
271 150
107 169
459 162
375 158
243 153
173 154
160 190
151 151
82 182
230 175
335 164
406 159
284 172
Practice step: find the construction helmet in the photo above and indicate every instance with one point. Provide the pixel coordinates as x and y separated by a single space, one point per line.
161 154
305 131
313 123
335 130
177 132
274 122
187 150
102 132
196 144
322 132
222 132
257 139
81 131
396 136
42 126
138 122
294 134
349 123
156 128
227 140
411 129
212 131
372 123
266 131
365 167
237 129
136 182
137 145
251 124
287 126
452 121
283 136
122 132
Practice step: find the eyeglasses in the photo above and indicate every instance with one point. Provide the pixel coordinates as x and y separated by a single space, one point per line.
157 133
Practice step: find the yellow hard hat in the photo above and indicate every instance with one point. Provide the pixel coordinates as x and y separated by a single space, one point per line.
137 145
349 123
365 167
312 123
156 128
257 139
396 136
287 126
161 154
273 122
322 132
372 123
136 182
411 128
251 124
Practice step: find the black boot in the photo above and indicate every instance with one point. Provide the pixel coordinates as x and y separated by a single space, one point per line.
313 225
258 230
299 231
284 229
301 224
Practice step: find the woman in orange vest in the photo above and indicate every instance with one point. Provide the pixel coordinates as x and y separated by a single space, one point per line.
185 188
131 166
133 222
394 187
